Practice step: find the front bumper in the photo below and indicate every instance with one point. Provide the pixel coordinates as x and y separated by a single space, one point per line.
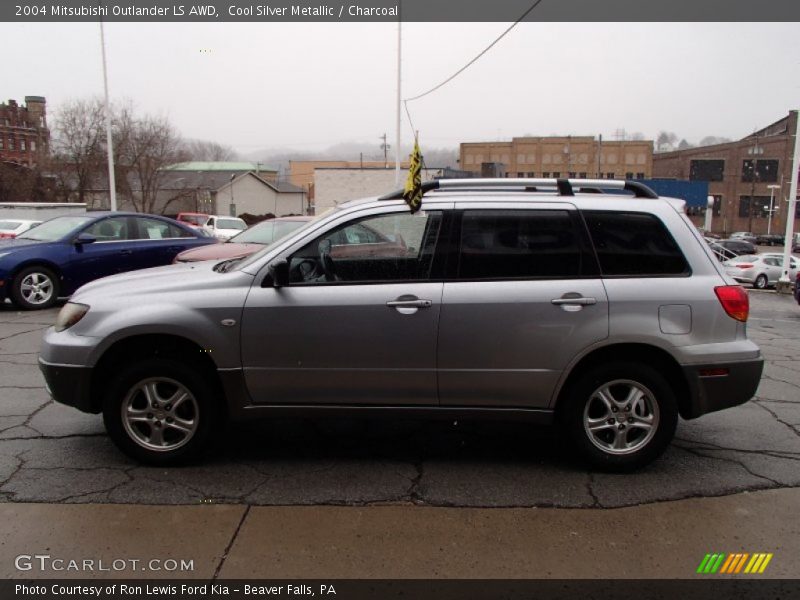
70 385
718 386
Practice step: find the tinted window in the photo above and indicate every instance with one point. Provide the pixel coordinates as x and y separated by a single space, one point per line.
518 244
634 244
396 247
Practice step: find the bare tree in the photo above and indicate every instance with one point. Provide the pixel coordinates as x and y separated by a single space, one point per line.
683 145
209 151
666 140
144 147
78 145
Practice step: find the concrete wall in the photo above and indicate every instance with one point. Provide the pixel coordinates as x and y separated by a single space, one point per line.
335 186
39 211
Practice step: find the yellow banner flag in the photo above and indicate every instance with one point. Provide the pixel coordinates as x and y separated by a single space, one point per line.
413 190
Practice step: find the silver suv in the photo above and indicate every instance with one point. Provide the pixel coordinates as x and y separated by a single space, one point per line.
544 300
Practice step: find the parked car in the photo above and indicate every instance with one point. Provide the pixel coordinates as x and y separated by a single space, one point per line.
193 219
224 228
11 228
760 270
797 288
247 242
769 239
599 312
744 236
727 249
55 258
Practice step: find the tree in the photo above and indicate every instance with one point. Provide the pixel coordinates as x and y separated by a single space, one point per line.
683 145
78 145
665 141
143 147
209 151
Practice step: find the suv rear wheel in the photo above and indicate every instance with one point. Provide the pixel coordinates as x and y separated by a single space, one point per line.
620 416
160 411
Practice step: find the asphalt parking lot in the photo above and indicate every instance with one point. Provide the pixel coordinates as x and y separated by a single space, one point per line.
51 453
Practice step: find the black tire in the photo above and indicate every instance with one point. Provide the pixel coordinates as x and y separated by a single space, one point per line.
581 403
761 282
25 298
200 407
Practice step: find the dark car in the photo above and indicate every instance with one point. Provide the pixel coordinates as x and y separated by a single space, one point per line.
797 289
60 255
247 242
727 249
769 239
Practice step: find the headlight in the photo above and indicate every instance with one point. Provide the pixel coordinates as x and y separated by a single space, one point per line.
70 314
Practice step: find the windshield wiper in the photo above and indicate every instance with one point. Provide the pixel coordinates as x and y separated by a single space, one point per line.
225 265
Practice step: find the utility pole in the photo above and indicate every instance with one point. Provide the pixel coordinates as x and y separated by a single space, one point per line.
385 147
599 154
784 284
397 137
112 184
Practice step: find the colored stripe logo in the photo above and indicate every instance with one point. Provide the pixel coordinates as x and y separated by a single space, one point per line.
734 564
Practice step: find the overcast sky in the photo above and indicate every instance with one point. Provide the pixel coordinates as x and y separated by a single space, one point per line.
308 86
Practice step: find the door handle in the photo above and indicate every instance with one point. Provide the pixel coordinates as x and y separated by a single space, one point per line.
580 301
126 251
416 303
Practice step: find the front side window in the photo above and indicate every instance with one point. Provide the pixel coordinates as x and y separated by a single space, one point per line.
518 244
634 245
384 248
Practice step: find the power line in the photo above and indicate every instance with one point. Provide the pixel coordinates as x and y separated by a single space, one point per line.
474 60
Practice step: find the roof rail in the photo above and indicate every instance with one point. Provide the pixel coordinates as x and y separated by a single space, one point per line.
565 187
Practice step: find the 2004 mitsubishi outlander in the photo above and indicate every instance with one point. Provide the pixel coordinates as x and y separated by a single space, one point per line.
538 299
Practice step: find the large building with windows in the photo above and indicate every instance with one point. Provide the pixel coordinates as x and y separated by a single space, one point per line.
583 157
745 177
24 135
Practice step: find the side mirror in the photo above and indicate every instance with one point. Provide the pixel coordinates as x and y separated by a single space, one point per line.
278 274
85 238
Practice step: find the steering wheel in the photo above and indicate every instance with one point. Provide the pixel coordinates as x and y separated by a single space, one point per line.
328 268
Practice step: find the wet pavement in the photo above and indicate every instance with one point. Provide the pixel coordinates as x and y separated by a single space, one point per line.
52 453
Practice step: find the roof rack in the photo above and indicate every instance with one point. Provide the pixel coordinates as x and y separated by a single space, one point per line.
565 187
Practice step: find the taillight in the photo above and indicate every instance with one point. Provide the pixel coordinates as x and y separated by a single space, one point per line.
744 266
734 300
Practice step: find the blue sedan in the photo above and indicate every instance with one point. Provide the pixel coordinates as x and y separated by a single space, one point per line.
57 257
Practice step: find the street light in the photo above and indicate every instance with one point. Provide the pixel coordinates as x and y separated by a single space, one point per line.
772 189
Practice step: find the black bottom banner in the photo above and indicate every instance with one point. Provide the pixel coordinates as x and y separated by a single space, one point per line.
406 589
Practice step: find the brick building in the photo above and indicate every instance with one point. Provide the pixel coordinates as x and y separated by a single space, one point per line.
24 135
744 177
560 156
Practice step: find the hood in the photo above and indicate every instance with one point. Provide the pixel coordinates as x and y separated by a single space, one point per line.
218 252
7 244
149 282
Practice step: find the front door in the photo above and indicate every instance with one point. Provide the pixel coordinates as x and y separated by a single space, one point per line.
356 325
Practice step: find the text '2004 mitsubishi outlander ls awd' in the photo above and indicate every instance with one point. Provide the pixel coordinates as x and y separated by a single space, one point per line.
546 300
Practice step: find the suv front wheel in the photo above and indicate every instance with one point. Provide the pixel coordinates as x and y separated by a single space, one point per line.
620 416
160 411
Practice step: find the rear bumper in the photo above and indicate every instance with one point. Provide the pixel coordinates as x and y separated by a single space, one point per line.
69 385
718 386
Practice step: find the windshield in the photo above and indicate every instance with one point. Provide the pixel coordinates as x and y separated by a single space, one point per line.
55 229
267 232
308 224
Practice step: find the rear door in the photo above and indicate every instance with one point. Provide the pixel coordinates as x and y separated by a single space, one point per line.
523 299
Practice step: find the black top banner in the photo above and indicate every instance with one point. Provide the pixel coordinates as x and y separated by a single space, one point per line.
399 10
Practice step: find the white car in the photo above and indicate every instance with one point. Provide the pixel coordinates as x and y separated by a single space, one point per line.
760 270
224 228
10 228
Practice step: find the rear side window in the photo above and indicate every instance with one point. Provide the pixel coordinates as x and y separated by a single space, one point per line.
634 245
518 244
